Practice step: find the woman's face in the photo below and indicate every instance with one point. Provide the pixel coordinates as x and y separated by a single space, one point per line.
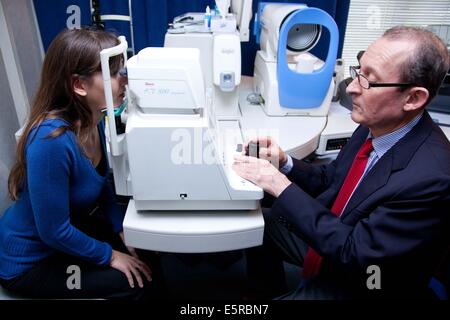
95 94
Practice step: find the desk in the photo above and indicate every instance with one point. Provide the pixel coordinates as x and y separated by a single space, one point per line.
297 135
444 119
446 131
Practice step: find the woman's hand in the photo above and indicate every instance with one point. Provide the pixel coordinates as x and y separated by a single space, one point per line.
130 266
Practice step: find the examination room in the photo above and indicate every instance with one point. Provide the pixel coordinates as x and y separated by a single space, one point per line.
206 151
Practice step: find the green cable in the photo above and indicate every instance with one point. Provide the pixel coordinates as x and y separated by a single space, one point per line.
117 111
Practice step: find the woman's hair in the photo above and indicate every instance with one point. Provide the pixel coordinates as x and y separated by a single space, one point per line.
73 53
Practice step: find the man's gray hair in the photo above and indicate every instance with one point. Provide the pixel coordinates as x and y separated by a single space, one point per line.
427 65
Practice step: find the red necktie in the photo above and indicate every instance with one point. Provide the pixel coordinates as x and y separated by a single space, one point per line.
311 265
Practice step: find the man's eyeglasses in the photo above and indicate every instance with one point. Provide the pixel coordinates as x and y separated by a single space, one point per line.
366 84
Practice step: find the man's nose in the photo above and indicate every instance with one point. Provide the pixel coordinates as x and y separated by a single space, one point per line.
353 87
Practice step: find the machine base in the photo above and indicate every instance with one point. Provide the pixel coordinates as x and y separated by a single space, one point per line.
192 231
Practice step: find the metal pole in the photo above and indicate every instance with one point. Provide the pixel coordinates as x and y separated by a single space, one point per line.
131 27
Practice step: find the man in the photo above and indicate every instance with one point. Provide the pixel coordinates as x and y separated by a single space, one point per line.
374 222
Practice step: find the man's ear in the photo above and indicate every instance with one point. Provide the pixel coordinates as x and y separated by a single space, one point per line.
416 99
79 85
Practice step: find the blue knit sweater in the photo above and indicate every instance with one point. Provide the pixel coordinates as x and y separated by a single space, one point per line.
60 183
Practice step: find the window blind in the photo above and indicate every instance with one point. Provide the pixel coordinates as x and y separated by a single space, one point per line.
368 21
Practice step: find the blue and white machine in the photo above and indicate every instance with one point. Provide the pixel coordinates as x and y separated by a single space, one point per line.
290 80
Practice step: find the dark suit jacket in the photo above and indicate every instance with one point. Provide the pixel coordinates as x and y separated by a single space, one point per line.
398 218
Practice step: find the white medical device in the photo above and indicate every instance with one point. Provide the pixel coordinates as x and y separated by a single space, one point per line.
175 156
286 32
220 52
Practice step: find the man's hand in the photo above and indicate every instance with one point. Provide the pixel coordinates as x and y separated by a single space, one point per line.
262 173
269 150
130 266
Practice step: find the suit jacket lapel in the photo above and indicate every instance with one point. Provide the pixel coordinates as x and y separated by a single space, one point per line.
374 180
395 159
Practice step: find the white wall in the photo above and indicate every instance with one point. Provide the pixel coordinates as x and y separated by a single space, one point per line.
20 65
8 124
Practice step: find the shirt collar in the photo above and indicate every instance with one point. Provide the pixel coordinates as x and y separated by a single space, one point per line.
382 144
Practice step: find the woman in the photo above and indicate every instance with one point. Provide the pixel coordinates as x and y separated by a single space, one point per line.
62 237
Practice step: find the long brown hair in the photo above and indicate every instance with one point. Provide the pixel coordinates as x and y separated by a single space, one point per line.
72 53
